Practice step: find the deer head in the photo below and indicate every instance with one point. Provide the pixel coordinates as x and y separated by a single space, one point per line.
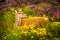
21 14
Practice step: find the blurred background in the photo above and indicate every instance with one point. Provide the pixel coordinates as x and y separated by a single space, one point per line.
40 20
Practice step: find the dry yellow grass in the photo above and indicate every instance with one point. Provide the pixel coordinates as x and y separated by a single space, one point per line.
35 21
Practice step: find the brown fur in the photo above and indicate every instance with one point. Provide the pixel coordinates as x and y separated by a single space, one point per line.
35 21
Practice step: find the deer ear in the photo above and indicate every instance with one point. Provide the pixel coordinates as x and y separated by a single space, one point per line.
15 11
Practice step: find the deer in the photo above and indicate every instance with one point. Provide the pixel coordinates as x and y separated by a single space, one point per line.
19 15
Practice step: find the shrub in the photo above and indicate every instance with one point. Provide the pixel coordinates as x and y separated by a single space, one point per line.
7 20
